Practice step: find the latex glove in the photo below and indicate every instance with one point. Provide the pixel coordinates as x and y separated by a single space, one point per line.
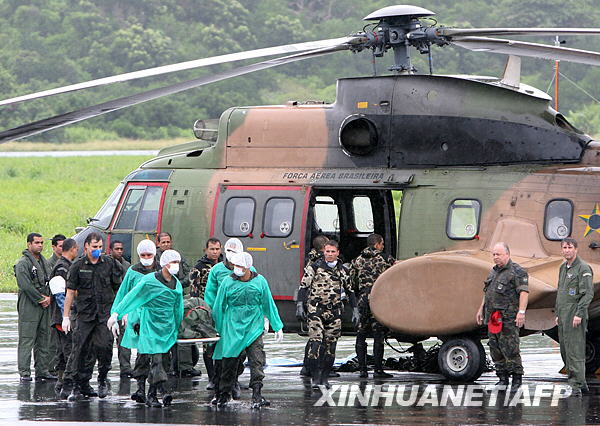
112 320
355 317
266 326
124 320
115 330
66 324
300 311
278 336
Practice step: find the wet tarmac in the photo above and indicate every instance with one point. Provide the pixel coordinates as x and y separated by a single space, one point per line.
293 402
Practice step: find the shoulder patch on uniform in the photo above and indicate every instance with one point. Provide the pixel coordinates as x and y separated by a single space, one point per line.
587 274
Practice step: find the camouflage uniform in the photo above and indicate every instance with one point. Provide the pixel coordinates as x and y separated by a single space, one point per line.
199 275
364 271
575 292
502 289
321 289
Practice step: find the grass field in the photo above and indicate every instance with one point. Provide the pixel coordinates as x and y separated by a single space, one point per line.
50 196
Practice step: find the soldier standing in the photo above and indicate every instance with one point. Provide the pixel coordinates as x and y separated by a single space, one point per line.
503 308
364 271
92 283
575 292
33 272
321 289
198 280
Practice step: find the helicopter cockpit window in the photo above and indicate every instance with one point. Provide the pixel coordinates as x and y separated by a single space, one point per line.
363 214
130 209
463 219
558 219
327 216
279 217
105 214
239 217
148 216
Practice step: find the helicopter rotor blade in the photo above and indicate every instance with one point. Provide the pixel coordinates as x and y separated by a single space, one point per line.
44 125
484 32
214 60
521 48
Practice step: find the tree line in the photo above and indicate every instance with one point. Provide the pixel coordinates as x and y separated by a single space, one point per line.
50 43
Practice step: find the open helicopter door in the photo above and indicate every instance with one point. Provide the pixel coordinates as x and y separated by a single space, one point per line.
138 216
270 222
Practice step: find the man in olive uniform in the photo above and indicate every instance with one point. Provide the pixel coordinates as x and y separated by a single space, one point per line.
575 292
198 280
33 272
124 354
321 290
504 302
57 248
364 271
92 283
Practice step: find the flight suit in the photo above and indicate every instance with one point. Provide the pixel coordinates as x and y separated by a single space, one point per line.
96 285
364 271
124 354
34 320
575 292
321 290
502 289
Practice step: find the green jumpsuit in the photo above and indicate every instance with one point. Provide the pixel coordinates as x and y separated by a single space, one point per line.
575 292
34 320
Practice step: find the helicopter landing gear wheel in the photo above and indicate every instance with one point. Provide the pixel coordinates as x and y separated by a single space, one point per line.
592 354
462 359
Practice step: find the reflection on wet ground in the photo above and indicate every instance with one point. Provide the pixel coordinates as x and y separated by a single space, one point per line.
292 402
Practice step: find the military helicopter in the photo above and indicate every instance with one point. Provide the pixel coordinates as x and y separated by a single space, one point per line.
475 160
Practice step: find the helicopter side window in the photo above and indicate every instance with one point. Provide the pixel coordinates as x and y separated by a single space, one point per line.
327 216
463 219
130 209
558 219
148 217
279 217
363 214
239 217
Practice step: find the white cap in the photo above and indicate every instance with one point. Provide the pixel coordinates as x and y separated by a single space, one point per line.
242 259
169 256
146 246
57 285
233 245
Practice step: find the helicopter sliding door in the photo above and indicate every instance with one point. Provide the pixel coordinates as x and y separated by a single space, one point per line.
138 216
269 222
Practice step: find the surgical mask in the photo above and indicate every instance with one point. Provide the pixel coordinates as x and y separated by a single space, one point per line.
238 271
147 262
96 253
173 269
332 264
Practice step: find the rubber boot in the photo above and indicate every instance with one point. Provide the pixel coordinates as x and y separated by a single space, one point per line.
378 361
140 394
517 380
67 387
152 401
87 391
315 373
326 366
167 398
103 388
361 356
76 394
210 370
257 399
503 379
224 398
